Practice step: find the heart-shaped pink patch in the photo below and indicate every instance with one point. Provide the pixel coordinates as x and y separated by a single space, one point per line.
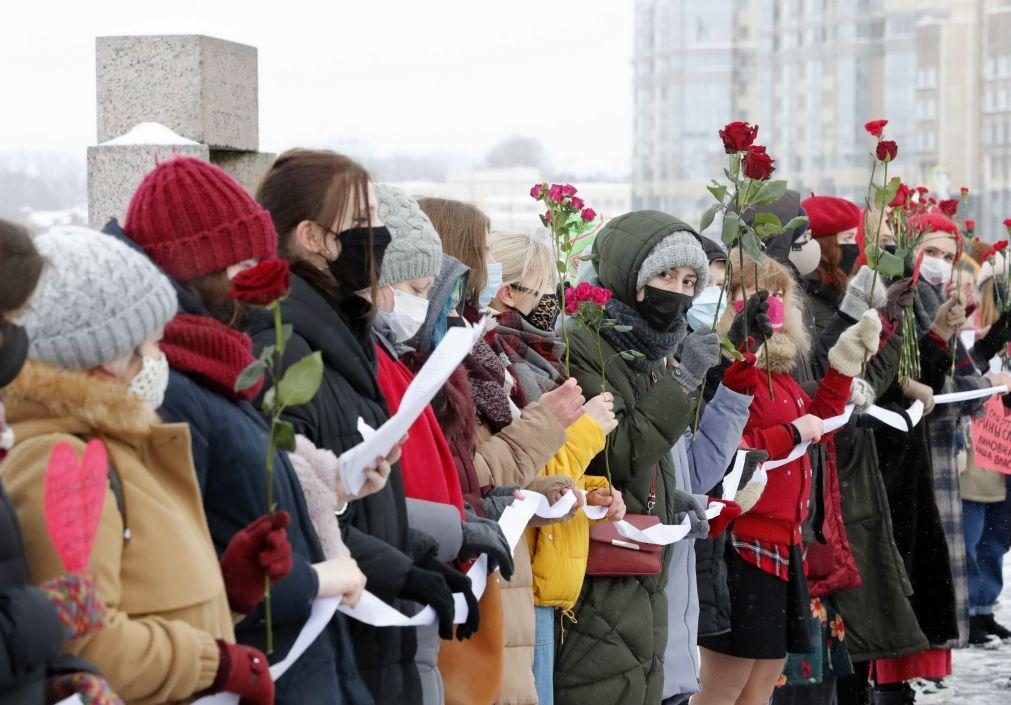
74 495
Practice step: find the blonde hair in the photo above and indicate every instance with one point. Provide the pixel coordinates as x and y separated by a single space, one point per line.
988 310
527 260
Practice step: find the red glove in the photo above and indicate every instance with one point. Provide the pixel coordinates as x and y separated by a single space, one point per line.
244 671
742 375
731 510
260 549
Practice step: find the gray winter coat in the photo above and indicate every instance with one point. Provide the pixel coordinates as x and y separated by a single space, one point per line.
699 463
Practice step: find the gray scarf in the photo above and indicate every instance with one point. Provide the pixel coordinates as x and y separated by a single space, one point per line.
654 345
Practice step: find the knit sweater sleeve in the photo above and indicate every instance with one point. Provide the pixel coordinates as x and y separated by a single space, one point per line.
149 659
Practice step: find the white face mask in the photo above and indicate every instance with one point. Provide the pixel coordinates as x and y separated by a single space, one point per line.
806 257
490 291
935 270
408 315
703 310
152 380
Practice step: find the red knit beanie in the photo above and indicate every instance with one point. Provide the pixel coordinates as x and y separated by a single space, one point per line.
829 215
193 219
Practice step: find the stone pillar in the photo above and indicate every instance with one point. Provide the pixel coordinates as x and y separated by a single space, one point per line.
165 96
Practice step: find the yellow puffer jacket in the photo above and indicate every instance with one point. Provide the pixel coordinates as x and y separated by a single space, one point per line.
558 551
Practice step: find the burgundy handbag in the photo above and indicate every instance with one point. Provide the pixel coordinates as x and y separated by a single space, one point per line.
613 555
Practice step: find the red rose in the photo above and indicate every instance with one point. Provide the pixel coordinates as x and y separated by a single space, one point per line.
876 127
571 302
547 217
948 206
738 136
537 190
263 284
1007 224
970 225
568 190
601 296
588 214
965 192
576 202
555 192
901 196
584 292
757 164
1002 245
922 190
887 150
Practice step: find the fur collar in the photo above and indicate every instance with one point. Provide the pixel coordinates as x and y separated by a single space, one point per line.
104 405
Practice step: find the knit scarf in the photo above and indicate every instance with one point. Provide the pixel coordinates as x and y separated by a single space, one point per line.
487 374
925 306
211 352
534 356
654 345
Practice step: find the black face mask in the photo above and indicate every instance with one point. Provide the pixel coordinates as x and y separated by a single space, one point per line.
13 351
351 268
544 314
663 309
849 257
890 249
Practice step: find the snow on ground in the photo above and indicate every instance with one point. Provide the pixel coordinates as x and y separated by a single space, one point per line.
983 677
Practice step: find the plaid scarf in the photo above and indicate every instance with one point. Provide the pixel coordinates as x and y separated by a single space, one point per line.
487 374
533 356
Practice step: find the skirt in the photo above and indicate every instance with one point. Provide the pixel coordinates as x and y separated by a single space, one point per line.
768 617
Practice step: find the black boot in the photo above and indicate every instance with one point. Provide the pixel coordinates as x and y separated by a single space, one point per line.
893 694
992 627
978 633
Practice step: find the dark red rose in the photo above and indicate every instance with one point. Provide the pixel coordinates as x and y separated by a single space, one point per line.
970 225
901 196
887 150
738 136
263 284
876 127
757 164
923 190
948 206
1007 223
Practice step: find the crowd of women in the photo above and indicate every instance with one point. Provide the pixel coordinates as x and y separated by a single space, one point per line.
846 574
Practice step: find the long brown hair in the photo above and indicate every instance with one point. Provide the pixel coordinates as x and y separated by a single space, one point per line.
828 267
20 267
320 186
464 232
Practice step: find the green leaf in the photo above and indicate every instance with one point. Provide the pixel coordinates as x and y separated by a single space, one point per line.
268 401
770 230
267 354
770 192
709 216
890 265
286 330
892 188
623 329
301 380
880 196
731 229
249 377
284 436
719 191
751 247
731 350
632 355
768 219
795 223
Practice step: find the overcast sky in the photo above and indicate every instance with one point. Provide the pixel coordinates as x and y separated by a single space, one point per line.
414 76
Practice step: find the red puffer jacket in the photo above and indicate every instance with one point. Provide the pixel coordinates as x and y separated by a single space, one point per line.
778 516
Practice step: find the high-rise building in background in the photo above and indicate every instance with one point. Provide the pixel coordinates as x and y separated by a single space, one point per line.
810 73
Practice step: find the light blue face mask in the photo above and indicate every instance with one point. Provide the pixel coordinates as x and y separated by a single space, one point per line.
490 290
703 310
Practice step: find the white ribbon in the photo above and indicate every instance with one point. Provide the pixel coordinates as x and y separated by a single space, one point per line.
955 397
896 420
828 425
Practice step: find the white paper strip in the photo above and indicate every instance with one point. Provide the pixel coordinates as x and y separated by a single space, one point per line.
896 420
661 534
954 397
74 699
733 478
828 425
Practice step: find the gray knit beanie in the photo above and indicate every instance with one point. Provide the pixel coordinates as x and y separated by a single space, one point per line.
416 249
680 249
98 299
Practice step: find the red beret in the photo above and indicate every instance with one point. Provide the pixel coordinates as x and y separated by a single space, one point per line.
932 222
829 215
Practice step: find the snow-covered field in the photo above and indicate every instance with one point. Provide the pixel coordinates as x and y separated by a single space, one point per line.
983 677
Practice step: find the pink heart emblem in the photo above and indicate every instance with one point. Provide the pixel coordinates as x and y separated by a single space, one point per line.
74 495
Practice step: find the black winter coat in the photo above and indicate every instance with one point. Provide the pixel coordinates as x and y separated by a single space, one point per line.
375 528
30 632
229 440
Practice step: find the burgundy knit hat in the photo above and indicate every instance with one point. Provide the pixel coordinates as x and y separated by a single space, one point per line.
828 215
192 219
932 222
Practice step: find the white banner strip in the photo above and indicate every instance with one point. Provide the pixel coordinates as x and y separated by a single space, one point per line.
896 420
955 397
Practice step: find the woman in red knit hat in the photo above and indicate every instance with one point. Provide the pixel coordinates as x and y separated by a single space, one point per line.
201 228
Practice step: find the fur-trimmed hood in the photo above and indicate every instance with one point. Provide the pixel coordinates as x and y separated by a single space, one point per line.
45 398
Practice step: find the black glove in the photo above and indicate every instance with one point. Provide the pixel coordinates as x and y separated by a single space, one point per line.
429 588
752 460
899 296
756 313
485 536
458 582
994 341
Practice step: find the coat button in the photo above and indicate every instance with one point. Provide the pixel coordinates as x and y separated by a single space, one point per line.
551 537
